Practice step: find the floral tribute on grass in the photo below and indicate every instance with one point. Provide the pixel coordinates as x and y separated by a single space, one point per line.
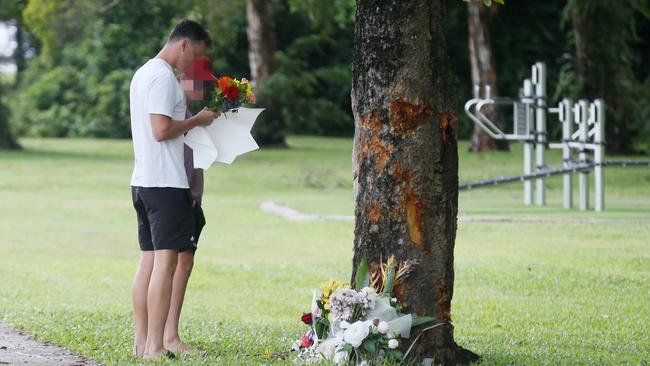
360 326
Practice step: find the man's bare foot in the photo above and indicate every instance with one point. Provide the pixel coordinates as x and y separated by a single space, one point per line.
150 356
138 351
180 347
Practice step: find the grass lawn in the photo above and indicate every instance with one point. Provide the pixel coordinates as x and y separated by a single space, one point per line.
558 288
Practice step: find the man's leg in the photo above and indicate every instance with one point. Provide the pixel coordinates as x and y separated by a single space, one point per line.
139 297
181 276
158 300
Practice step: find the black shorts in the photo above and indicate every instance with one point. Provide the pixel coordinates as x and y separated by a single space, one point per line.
165 218
199 223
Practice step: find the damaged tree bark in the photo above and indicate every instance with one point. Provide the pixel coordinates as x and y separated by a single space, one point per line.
406 160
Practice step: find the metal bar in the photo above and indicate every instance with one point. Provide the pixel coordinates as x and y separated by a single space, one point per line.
525 177
468 106
551 172
582 145
583 183
566 118
626 163
528 145
514 137
599 154
539 79
573 145
484 118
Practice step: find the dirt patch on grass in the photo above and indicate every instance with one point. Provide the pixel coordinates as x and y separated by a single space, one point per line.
17 348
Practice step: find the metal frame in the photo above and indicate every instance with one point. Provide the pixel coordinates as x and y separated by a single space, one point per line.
588 137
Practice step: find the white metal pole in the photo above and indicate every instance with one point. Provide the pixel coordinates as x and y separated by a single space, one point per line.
599 154
539 79
528 144
583 183
566 117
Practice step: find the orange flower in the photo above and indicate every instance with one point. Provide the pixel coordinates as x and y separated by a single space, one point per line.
223 82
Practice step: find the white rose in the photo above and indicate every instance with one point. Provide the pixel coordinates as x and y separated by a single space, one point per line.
356 333
393 343
344 325
382 327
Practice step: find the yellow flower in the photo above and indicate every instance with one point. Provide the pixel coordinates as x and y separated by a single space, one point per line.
328 288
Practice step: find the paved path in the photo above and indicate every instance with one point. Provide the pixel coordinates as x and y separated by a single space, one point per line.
17 348
292 214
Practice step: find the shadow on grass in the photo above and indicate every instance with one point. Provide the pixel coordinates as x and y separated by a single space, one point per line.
490 358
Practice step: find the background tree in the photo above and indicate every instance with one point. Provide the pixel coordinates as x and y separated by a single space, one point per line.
483 71
407 158
57 23
76 87
7 141
262 44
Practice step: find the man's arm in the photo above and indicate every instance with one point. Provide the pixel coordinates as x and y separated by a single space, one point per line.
164 128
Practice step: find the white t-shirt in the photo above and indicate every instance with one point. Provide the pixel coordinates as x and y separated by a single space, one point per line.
155 89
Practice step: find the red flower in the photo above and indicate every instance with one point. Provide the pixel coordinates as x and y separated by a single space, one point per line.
306 341
231 92
307 319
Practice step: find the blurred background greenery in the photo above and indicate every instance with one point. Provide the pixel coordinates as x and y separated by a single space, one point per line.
74 60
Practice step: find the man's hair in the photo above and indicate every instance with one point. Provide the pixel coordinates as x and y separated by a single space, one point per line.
191 30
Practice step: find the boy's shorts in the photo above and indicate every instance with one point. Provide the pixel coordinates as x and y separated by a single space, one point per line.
199 223
165 218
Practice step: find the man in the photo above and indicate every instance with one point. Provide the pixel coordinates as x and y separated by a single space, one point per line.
197 82
159 186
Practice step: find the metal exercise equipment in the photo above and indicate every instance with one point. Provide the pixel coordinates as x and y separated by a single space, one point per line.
583 132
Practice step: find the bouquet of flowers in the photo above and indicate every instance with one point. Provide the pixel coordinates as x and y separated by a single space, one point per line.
363 325
231 93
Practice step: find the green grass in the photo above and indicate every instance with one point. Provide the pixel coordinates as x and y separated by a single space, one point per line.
565 290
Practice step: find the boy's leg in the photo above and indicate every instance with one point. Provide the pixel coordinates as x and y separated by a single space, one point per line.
181 276
158 300
139 298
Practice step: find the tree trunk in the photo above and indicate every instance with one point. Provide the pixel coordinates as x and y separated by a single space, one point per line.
406 159
483 72
270 129
19 56
7 141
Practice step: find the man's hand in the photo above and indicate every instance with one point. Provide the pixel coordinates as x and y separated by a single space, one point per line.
164 128
206 116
